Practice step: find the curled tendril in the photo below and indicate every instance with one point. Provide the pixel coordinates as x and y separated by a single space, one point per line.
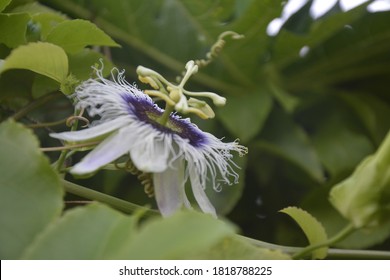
145 178
216 49
72 119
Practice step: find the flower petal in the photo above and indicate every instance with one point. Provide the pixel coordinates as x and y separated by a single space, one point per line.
92 132
109 150
151 154
199 194
169 188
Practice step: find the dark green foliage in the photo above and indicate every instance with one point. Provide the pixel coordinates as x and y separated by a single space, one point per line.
311 103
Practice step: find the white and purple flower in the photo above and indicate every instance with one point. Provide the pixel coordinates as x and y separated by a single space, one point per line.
172 152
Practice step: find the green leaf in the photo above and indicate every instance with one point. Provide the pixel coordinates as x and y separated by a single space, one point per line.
372 112
245 114
16 85
74 35
47 21
4 4
367 237
98 232
300 21
339 143
177 236
288 44
30 191
80 64
155 29
312 228
43 17
13 29
284 138
43 58
91 232
333 223
43 85
364 197
342 58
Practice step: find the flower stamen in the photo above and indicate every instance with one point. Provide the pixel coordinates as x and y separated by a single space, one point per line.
175 95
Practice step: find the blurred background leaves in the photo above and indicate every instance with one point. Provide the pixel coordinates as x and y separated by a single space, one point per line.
310 102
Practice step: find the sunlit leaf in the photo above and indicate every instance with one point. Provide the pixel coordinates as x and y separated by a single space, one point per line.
43 58
47 21
312 228
30 191
74 35
43 17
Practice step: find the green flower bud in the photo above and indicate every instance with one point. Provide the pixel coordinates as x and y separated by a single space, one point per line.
364 197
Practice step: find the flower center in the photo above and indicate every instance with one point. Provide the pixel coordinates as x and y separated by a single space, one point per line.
149 113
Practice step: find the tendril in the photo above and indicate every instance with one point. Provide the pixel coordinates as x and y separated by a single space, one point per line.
70 121
216 49
145 178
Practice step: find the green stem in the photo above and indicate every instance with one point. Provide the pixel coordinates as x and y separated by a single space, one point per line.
60 162
165 116
128 207
332 253
48 124
34 105
119 204
70 147
339 236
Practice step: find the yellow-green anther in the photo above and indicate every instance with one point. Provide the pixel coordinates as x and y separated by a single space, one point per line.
197 112
146 72
148 80
161 95
202 106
